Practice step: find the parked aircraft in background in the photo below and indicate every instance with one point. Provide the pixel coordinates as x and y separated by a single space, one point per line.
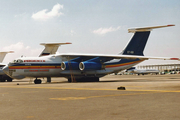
142 71
3 76
83 67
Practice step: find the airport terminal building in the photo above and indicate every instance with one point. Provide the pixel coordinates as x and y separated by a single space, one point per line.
174 67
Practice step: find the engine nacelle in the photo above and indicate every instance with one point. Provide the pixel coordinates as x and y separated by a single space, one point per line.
90 66
70 65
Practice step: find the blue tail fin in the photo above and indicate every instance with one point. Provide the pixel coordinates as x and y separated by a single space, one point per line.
137 44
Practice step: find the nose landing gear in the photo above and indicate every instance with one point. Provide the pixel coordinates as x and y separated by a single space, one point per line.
39 81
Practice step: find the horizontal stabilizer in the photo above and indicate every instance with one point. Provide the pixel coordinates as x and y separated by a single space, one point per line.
52 44
133 30
51 48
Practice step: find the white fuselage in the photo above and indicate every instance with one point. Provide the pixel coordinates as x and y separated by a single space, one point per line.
50 66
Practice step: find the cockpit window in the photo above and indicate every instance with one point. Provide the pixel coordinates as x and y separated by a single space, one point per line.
17 61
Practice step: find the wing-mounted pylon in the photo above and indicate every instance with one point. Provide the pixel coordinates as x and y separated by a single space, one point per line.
51 48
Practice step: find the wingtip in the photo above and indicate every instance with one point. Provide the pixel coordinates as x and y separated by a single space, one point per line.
7 51
174 59
68 43
171 25
11 51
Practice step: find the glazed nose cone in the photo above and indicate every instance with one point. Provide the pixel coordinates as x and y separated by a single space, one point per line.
6 70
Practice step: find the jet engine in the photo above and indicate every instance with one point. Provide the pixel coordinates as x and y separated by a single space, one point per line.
70 65
90 66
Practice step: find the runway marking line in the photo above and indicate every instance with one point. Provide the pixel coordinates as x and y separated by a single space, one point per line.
30 92
103 89
80 98
4 93
29 117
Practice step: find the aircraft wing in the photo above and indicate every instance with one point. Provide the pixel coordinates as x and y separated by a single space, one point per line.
115 56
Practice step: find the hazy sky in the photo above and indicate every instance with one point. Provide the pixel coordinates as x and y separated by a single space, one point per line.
93 26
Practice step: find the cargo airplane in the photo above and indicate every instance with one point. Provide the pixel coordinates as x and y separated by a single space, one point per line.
83 67
3 76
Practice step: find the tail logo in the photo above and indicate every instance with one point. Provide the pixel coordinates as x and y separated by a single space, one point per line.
130 52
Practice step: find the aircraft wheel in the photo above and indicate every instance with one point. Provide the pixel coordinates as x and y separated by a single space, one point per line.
96 79
49 79
69 80
9 80
37 81
88 79
2 80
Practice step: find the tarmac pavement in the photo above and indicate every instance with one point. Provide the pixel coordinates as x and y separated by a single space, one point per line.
145 98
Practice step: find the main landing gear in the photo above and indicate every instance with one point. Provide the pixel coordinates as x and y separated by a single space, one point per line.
85 79
4 78
49 79
39 81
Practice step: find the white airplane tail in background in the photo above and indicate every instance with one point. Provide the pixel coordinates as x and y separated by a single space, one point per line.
3 54
51 48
